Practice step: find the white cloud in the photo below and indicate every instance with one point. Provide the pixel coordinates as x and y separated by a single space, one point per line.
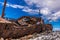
51 4
24 8
45 11
47 7
54 16
30 11
56 29
12 5
15 6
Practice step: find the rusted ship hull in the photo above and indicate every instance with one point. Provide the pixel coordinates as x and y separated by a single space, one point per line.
11 31
22 28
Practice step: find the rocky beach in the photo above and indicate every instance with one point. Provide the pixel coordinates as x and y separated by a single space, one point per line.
43 36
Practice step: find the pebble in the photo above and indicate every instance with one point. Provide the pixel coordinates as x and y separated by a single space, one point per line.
50 36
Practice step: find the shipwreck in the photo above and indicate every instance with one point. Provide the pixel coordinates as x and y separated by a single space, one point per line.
23 26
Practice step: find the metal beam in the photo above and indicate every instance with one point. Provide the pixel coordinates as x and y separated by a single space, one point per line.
3 10
39 13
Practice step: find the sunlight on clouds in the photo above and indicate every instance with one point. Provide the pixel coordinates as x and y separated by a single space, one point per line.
51 4
45 11
47 7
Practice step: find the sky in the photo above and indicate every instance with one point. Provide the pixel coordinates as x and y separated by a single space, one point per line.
49 10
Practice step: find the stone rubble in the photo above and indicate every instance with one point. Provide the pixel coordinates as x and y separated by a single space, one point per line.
49 36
